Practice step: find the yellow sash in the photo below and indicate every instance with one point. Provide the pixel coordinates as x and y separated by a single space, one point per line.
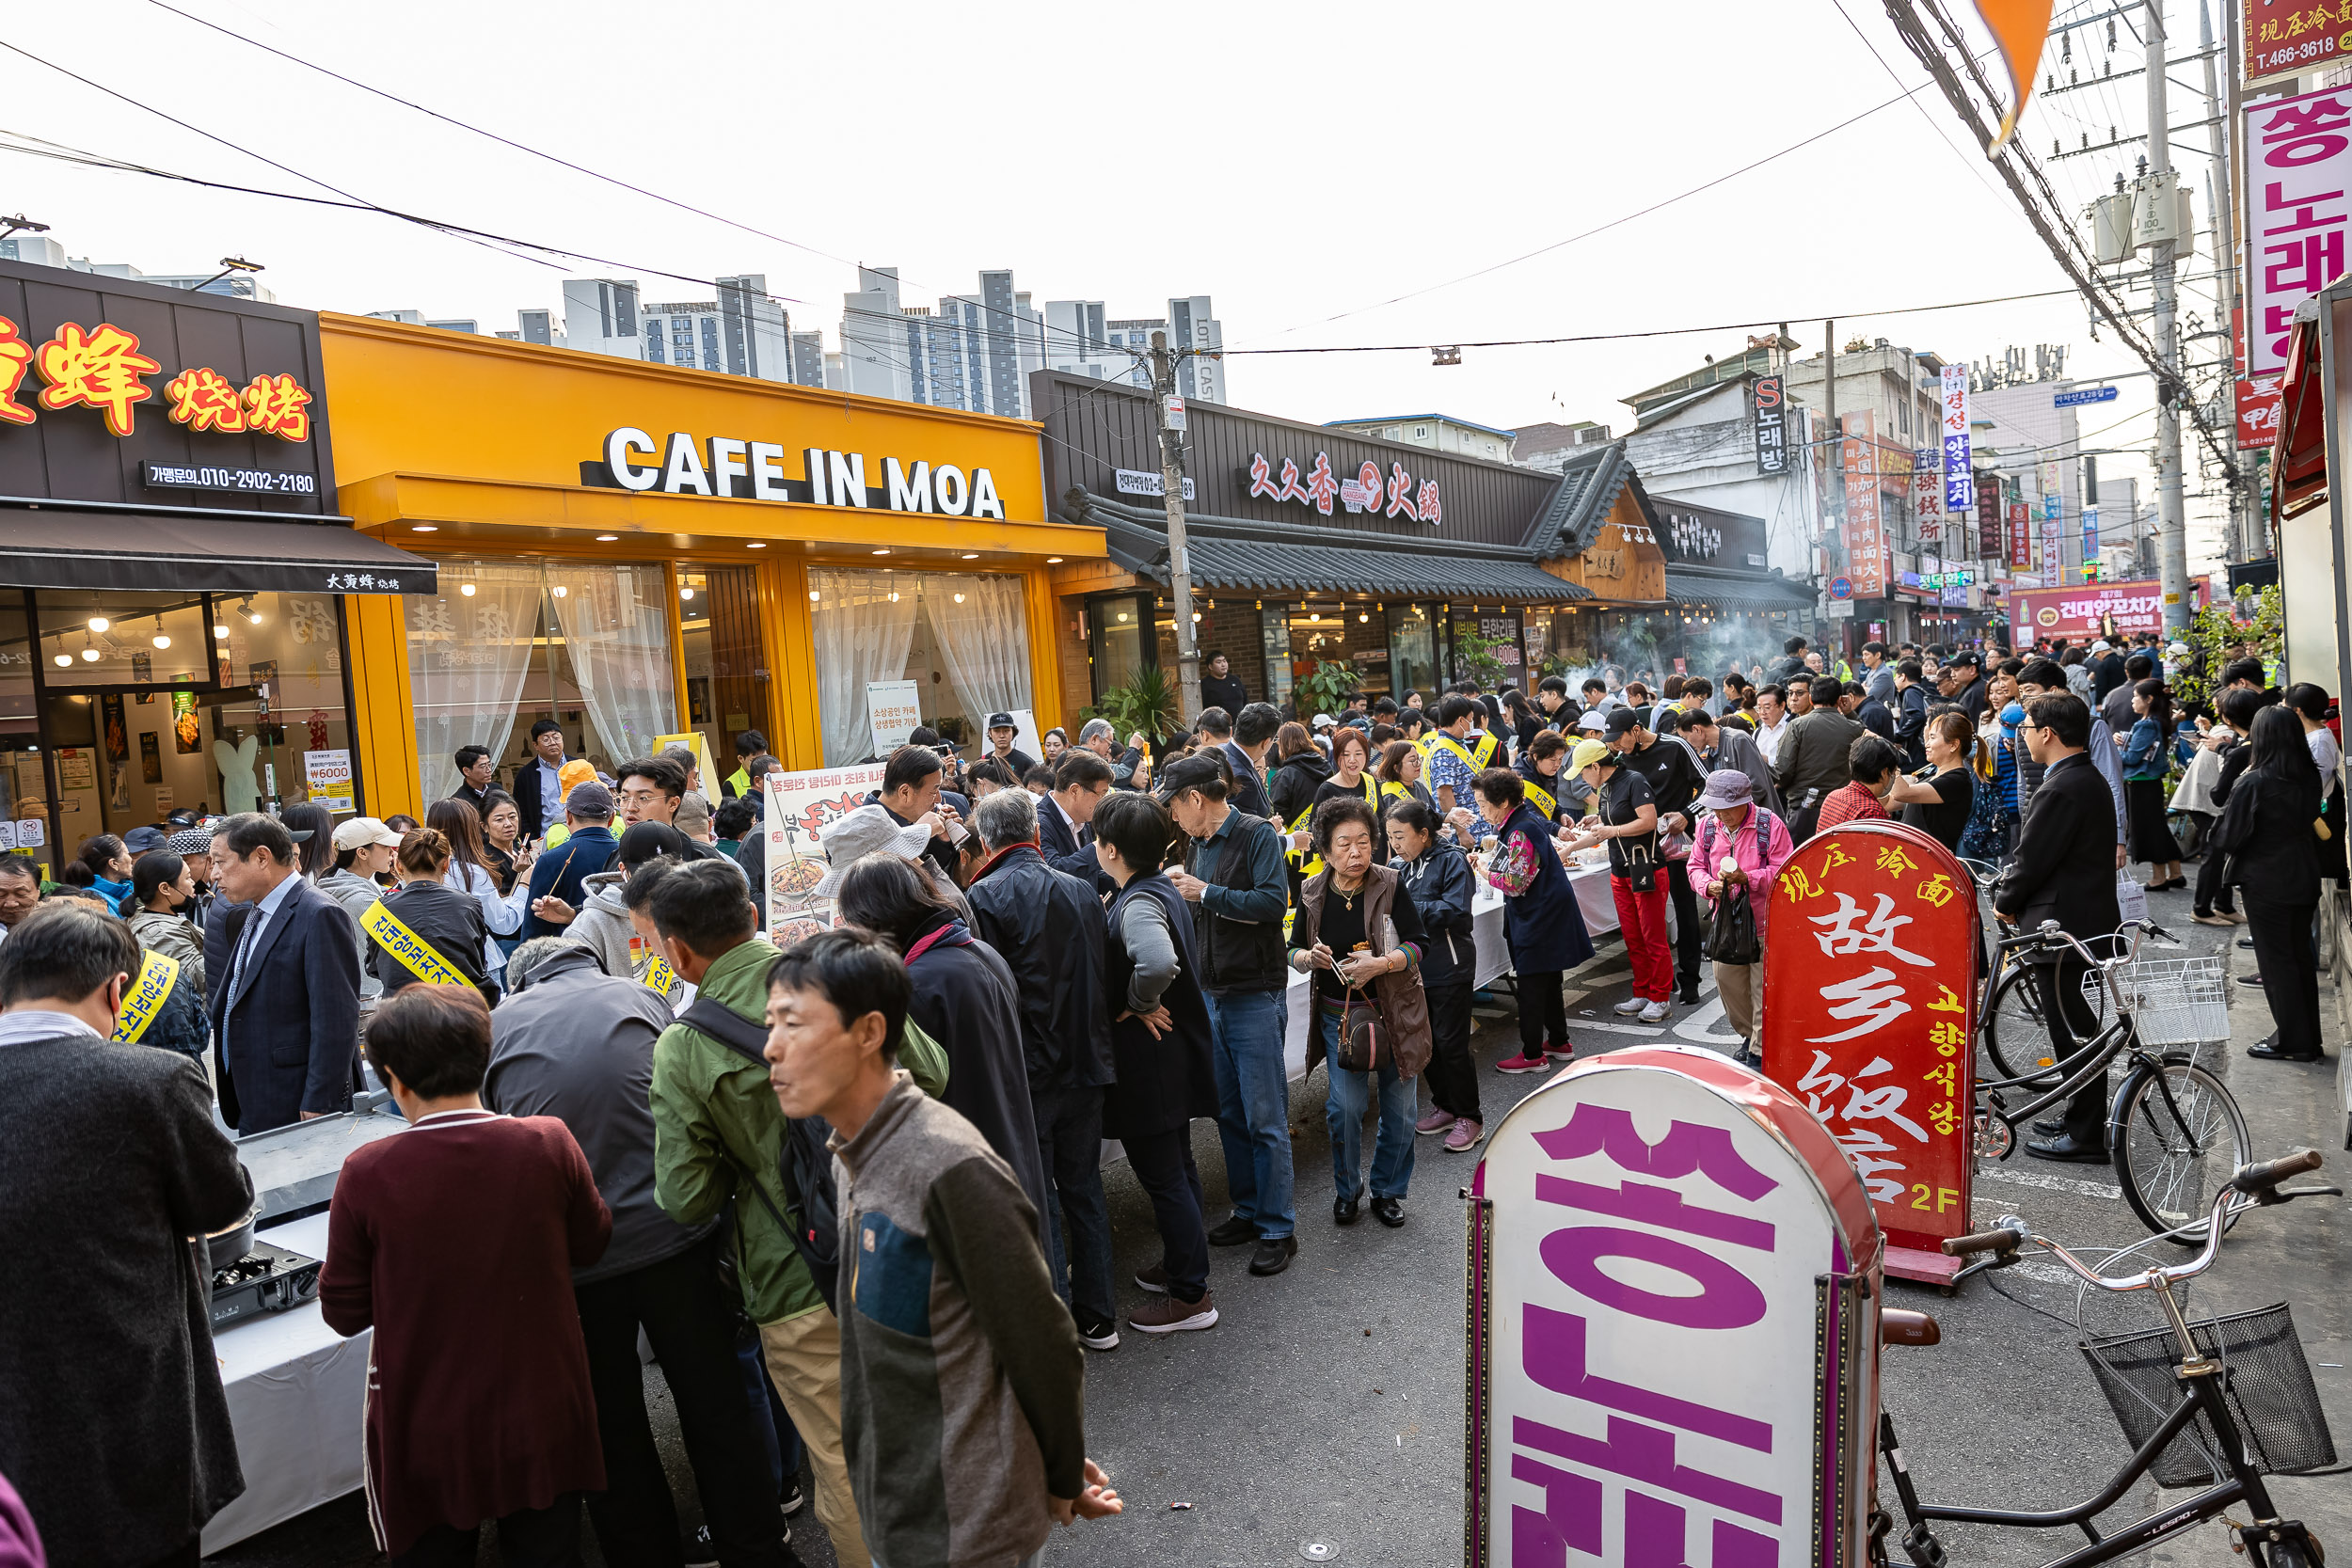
1438 737
1544 800
414 954
147 996
660 978
1485 752
1308 862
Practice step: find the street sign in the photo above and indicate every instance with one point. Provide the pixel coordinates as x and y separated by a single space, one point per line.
1868 1002
2081 395
1841 588
1674 1288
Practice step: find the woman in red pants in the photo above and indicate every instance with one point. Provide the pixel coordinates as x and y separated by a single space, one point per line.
1626 820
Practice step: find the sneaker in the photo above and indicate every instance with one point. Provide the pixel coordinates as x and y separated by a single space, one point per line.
1560 1053
1233 1233
793 1502
1153 1279
1524 1064
1165 1314
1100 1334
702 1552
1274 1254
1656 1012
1691 996
2254 980
1436 1121
1630 1006
1462 1137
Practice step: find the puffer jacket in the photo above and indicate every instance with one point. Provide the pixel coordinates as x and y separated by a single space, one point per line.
176 939
1760 856
1292 793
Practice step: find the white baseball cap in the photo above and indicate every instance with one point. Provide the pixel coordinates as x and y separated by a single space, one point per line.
361 832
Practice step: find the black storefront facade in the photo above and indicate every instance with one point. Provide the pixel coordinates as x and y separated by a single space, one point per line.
173 572
1318 553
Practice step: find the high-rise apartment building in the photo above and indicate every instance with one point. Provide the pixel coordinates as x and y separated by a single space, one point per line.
600 315
742 332
1080 340
973 352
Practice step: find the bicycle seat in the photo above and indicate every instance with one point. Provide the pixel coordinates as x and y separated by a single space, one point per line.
1900 1326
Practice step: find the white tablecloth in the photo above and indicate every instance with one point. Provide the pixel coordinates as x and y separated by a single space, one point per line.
296 1396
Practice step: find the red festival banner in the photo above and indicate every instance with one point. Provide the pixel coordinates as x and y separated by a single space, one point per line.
1869 1005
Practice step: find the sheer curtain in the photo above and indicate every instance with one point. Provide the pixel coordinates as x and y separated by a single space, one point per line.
864 623
983 639
615 624
468 656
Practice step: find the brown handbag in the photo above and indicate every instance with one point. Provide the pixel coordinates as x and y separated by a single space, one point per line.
1362 1037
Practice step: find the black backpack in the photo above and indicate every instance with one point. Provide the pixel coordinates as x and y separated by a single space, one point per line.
804 1163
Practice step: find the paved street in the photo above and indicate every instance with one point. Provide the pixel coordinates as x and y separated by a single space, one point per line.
1327 1406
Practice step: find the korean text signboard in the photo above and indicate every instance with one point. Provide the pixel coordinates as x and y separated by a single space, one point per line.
1960 481
1865 535
2286 37
2090 536
2298 175
1927 494
1673 1299
2020 538
1772 426
2095 609
1867 1008
1989 522
801 806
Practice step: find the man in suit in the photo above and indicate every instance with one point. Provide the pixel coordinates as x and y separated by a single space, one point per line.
1245 739
285 1005
538 789
1065 840
2064 870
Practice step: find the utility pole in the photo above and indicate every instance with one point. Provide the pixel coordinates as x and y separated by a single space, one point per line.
2171 386
1179 563
1836 452
2224 192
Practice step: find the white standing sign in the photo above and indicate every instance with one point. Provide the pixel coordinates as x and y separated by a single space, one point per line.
894 709
2299 171
1674 1289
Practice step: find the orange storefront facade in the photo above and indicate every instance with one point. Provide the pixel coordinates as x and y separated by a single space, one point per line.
639 550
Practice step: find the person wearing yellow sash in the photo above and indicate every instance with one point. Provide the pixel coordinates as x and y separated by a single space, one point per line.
1300 770
424 931
1453 764
1541 766
1400 776
1351 764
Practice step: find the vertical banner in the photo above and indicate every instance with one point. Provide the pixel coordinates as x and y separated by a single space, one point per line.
2020 538
1960 481
1989 522
1772 426
2090 540
2258 401
2299 168
1865 533
1927 493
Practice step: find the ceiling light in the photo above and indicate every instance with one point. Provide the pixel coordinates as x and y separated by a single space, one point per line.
883 551
98 623
814 595
160 639
1053 560
65 661
467 589
972 555
1315 615
1122 615
90 654
756 545
426 528
1360 617
220 632
605 538
686 593
960 600
561 592
894 595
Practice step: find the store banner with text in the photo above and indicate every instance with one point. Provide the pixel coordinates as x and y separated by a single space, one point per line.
2095 609
1866 533
2299 169
2258 403
1960 484
2020 538
1772 426
2288 38
801 806
1989 522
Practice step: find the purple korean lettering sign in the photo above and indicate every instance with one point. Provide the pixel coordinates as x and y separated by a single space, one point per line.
1673 1325
2299 171
1869 1008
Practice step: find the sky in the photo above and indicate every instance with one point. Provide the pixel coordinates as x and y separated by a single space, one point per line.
1328 175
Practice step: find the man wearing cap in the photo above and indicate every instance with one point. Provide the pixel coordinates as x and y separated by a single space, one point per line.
1968 688
588 848
1674 776
1001 732
2107 671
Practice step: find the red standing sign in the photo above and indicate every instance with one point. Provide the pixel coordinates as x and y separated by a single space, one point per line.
1870 1007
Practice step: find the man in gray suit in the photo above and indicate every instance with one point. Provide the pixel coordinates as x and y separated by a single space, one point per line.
285 1005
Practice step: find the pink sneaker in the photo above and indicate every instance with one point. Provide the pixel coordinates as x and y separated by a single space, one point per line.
1463 1137
1538 1063
1436 1121
1560 1053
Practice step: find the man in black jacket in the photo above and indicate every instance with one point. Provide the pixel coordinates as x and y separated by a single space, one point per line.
1049 928
1064 836
1911 713
2064 870
1220 685
1968 684
1811 761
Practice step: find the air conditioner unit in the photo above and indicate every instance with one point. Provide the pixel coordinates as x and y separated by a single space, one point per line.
2110 219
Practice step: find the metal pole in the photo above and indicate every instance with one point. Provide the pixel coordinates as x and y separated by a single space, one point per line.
2171 520
1179 562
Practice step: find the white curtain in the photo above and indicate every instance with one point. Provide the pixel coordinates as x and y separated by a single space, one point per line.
468 656
980 627
864 623
615 624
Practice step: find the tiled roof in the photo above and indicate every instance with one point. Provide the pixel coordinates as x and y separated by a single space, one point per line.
1589 486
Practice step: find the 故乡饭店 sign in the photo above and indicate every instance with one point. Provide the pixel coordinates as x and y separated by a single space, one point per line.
726 466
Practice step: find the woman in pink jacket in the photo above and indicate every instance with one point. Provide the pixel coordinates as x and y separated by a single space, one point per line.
1740 849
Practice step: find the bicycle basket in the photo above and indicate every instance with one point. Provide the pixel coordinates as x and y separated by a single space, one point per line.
2174 1000
2271 1395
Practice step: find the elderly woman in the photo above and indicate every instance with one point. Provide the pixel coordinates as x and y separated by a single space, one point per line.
1541 923
1739 850
1358 934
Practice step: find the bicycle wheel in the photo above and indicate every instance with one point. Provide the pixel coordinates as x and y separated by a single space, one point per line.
2177 1137
2016 1038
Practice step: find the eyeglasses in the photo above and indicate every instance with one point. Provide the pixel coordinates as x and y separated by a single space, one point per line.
2028 724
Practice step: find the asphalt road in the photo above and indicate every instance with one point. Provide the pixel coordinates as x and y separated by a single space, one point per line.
1325 1410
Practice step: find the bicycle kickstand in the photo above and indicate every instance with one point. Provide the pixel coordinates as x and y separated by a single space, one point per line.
1919 1542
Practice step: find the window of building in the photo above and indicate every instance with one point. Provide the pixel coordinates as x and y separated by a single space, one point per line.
1274 641
1412 652
727 673
961 637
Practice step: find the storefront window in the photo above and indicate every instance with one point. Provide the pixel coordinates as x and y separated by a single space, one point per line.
961 637
508 642
1274 637
1412 653
726 674
1116 641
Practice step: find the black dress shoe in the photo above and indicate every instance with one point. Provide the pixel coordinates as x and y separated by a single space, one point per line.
2266 1049
1345 1210
1389 1211
1689 996
2050 1127
2249 980
2246 943
1233 1232
1274 1254
2065 1148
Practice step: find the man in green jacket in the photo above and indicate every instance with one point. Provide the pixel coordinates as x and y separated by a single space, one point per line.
717 1130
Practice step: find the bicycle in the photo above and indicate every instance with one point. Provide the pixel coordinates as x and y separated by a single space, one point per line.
2172 1127
2011 1032
2270 1425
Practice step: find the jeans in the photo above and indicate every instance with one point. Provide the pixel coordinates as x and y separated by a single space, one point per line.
1453 1073
1253 1107
1685 903
1163 1165
680 1302
1070 1146
528 1538
1343 1114
1641 921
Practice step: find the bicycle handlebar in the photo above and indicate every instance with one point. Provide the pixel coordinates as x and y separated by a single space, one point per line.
2262 1179
2005 1239
2049 937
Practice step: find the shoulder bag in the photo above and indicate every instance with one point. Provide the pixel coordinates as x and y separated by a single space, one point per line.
804 1163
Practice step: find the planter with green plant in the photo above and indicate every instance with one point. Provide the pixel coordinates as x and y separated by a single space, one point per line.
1325 691
1145 705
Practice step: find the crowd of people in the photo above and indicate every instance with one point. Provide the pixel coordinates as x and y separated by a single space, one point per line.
695 1135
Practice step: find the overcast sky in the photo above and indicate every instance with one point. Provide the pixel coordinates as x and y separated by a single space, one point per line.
1303 164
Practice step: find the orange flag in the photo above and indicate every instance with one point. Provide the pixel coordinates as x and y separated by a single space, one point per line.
2021 28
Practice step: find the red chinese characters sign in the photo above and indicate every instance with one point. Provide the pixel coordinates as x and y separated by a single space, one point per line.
2020 538
1865 532
1367 490
2258 401
1869 1005
2286 37
102 369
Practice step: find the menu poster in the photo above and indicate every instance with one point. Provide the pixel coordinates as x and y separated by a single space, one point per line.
151 757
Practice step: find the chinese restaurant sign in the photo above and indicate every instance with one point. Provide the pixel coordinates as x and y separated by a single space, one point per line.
1927 494
2259 398
103 370
2299 172
1989 521
1865 535
1366 492
2286 37
1673 1342
799 807
1868 999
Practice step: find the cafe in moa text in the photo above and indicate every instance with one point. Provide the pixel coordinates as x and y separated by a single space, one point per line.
177 583
640 551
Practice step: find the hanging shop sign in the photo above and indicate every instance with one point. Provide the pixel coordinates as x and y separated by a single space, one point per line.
1988 522
742 469
1867 1006
1674 1287
1927 494
2090 537
1392 496
2287 38
1865 534
2020 538
2299 165
1772 426
1960 483
2097 609
2259 398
